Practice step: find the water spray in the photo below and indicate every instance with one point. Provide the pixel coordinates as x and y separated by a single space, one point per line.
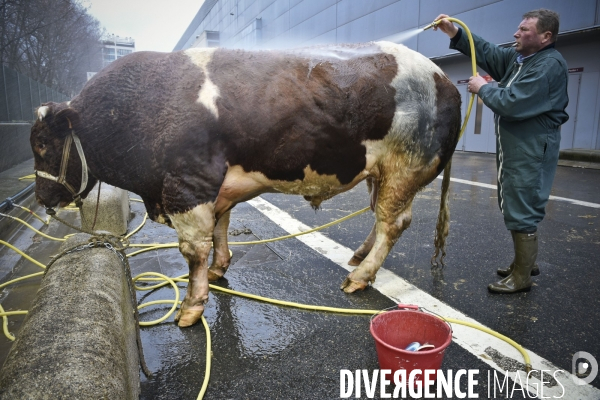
473 64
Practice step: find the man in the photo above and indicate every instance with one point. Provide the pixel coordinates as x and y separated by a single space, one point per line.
529 106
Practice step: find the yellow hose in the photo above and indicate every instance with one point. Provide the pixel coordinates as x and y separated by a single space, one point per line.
473 65
175 302
45 221
508 340
4 314
10 246
332 309
154 246
133 232
166 280
473 68
22 278
32 228
208 361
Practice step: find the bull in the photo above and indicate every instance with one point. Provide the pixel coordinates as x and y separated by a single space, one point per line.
195 132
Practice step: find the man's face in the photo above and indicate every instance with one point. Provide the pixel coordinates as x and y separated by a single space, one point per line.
528 39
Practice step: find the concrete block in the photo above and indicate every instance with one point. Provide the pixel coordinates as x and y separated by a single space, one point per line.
78 340
113 212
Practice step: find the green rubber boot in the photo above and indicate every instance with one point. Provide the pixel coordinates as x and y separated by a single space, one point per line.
519 280
535 271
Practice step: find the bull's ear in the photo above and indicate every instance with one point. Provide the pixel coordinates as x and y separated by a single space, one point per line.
65 121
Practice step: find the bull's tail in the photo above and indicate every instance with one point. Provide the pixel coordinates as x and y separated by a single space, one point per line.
443 222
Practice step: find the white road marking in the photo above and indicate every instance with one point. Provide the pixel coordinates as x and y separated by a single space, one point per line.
557 198
400 291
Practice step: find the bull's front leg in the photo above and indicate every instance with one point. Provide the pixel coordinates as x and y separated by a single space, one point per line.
221 257
195 231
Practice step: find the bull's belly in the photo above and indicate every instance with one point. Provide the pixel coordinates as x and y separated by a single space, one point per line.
240 186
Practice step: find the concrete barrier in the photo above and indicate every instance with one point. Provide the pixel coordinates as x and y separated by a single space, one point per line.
113 212
78 341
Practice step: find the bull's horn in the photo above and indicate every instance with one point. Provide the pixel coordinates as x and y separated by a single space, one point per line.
42 112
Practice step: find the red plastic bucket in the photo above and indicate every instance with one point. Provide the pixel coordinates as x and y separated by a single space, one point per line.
394 330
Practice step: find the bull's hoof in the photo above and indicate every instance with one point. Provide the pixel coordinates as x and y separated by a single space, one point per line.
351 286
188 317
355 261
214 274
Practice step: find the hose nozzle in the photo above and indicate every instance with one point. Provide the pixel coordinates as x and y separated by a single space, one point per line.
431 25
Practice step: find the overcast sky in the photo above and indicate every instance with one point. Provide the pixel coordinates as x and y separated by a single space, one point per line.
154 24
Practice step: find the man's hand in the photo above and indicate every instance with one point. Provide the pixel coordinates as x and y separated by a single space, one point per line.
445 26
475 83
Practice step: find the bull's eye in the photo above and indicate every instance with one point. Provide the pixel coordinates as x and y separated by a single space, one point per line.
41 149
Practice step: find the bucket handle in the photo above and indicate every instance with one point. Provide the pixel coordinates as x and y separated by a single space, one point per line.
399 306
409 306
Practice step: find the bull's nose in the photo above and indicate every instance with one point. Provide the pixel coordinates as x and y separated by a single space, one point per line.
46 204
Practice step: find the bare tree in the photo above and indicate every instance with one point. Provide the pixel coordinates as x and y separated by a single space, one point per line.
55 42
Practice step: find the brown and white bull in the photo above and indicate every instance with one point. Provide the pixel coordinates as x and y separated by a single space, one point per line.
197 131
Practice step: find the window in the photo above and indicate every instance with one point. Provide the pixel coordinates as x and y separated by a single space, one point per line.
123 52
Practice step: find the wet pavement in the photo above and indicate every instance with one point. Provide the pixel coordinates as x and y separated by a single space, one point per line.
261 351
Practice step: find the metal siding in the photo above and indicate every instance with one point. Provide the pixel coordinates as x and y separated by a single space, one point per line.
326 38
275 32
349 10
263 4
307 9
584 128
429 9
497 22
224 10
293 3
380 24
314 26
249 15
328 21
273 11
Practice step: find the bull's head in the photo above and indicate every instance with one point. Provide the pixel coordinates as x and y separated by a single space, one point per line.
58 161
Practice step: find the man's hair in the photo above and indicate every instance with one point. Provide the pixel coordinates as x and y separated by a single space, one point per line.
547 21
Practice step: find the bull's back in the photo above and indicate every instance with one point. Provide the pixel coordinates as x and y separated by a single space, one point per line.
322 107
282 112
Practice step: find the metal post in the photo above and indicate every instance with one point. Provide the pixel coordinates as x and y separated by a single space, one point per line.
20 99
6 95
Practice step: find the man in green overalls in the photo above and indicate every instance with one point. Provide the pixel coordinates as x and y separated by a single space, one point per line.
529 108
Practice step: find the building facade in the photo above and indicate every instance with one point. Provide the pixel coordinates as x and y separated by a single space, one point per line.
114 47
272 24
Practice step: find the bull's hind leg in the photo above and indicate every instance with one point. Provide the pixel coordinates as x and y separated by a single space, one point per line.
397 189
367 245
195 231
389 225
363 251
221 257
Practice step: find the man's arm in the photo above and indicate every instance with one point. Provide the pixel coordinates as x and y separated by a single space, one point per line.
492 59
528 96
